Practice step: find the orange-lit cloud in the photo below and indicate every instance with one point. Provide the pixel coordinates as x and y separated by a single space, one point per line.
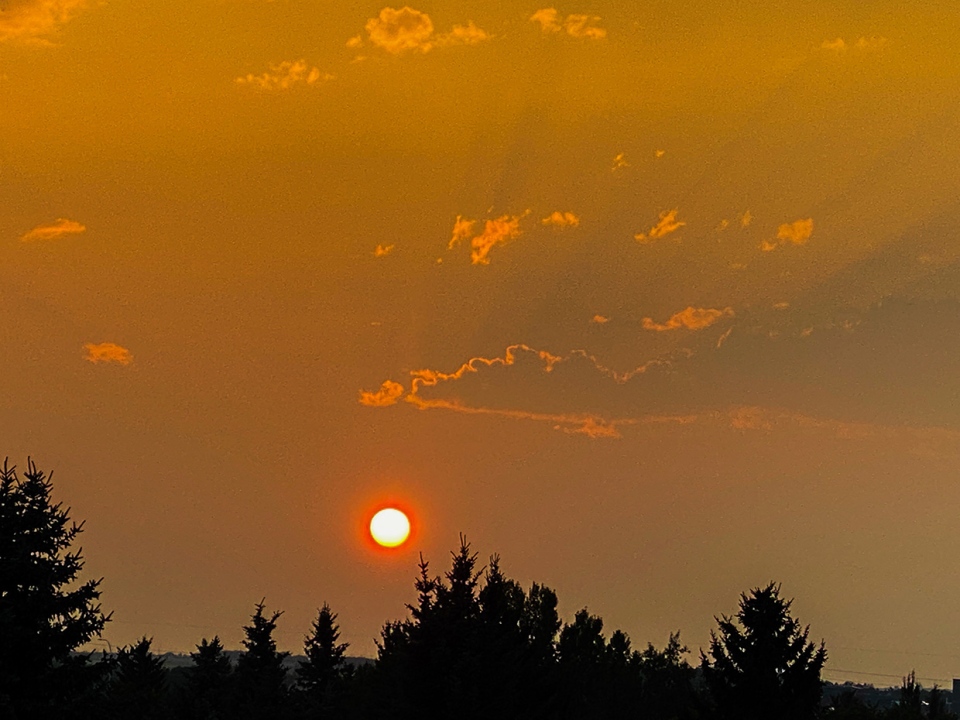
561 219
667 224
578 26
495 232
34 21
797 232
388 394
50 232
620 162
403 30
839 45
468 34
383 250
600 320
284 75
462 230
690 318
746 219
107 353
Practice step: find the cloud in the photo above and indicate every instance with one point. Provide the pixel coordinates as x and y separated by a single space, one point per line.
355 42
468 34
285 75
383 251
619 162
107 353
388 394
403 30
578 26
561 219
462 229
495 232
34 21
862 43
667 224
797 232
690 318
600 319
50 232
591 425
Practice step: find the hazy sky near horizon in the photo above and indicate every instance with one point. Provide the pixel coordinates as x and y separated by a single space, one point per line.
659 302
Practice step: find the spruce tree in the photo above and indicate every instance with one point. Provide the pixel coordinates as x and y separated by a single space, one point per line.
318 677
45 615
761 664
261 675
208 681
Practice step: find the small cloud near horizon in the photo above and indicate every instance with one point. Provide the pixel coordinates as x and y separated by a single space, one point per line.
107 352
690 318
666 225
50 232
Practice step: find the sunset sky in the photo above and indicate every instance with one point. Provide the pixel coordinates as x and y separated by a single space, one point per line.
660 301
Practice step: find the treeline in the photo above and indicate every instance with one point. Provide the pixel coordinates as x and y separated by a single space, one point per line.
474 644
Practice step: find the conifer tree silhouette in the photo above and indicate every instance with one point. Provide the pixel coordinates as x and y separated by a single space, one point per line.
139 685
319 676
208 681
261 675
44 615
761 665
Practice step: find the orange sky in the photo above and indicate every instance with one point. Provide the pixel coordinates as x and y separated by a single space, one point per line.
659 303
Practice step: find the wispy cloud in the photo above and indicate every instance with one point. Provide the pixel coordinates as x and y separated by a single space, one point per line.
690 318
839 45
620 162
462 230
388 394
107 352
35 21
561 219
667 224
497 231
54 230
592 425
578 26
404 30
797 233
383 250
284 75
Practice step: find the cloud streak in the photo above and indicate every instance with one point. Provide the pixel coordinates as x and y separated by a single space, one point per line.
53 231
577 26
284 75
107 353
690 318
561 220
666 225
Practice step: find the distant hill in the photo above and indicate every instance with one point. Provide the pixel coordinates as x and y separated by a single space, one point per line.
172 660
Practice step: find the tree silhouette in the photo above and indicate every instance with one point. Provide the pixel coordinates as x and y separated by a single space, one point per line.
44 616
761 665
319 676
261 675
208 681
139 685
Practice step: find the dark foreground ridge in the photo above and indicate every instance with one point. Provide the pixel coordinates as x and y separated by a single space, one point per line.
474 644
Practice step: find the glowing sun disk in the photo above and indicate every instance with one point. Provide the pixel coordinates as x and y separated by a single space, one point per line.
390 527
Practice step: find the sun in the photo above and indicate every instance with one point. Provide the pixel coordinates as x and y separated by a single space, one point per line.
390 528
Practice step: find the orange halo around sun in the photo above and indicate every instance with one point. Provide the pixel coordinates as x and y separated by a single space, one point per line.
390 527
